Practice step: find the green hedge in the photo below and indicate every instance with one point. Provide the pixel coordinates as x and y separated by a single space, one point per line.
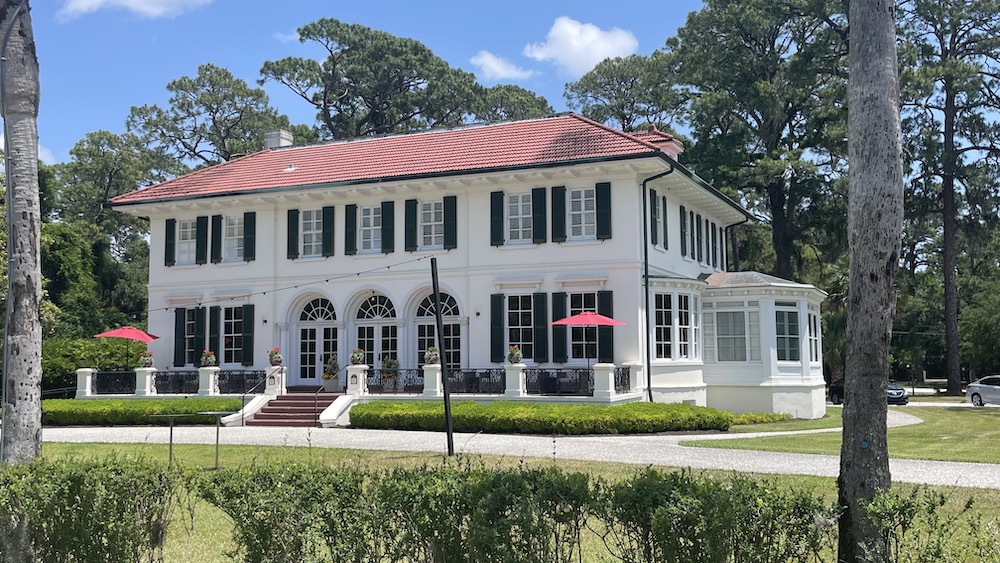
539 418
61 357
131 412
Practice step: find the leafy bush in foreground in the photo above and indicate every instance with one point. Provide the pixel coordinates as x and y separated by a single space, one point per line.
540 418
126 412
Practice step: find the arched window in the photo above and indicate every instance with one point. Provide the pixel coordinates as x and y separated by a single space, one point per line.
317 338
319 309
377 330
426 329
377 307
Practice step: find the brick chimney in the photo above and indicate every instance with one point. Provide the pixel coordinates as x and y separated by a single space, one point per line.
277 139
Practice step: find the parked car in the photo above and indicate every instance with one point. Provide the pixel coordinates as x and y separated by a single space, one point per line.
984 390
894 394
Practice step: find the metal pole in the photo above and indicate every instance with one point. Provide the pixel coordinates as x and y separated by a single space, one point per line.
444 357
8 200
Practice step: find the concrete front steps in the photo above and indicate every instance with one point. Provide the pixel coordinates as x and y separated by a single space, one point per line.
295 408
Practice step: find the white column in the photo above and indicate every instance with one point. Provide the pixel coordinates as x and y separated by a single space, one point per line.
357 379
144 382
207 377
274 382
804 354
768 339
604 381
84 382
515 380
432 380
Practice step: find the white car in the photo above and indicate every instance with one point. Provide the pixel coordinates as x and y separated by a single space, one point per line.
985 390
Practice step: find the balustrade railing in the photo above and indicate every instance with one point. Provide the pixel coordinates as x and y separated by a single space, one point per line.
623 379
175 382
238 381
485 381
561 381
114 383
395 381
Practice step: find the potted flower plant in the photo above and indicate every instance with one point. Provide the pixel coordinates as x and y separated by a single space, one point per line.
389 366
207 358
331 372
357 356
514 354
146 359
274 356
431 355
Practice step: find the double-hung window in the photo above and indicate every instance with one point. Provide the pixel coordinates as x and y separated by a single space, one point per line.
519 218
187 234
664 326
787 329
583 339
311 229
232 239
432 225
232 335
582 214
731 336
814 349
370 229
520 330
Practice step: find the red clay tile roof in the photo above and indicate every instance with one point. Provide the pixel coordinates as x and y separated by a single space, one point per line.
518 144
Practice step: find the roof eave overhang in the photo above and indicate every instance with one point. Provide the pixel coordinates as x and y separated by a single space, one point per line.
709 188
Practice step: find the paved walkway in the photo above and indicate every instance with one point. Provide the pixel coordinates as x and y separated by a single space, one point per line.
642 450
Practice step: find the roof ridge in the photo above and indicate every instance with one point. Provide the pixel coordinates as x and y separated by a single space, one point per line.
618 132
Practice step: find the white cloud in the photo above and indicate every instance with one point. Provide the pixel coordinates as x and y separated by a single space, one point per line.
142 8
492 67
286 37
46 155
577 47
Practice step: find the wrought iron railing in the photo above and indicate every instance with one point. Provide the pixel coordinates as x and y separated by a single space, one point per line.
114 383
484 381
396 381
563 381
623 379
175 382
233 381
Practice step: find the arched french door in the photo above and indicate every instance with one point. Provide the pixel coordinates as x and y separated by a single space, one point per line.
452 328
377 330
317 332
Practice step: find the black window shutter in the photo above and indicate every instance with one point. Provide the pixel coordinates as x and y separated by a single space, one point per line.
540 326
691 237
684 239
248 326
605 334
351 229
603 210
201 240
450 222
559 214
199 333
715 247
180 320
559 353
216 239
701 243
538 216
388 228
654 212
410 225
327 241
214 336
496 219
293 234
722 249
249 236
663 212
497 341
169 240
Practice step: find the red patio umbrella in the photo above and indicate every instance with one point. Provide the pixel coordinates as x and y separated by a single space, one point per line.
128 333
587 318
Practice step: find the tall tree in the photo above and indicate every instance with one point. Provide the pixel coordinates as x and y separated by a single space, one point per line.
764 79
211 118
875 223
505 102
953 96
22 410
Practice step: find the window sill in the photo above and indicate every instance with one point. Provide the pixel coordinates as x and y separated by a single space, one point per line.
517 245
582 242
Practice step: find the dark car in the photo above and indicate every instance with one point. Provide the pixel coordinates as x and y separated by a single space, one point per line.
894 394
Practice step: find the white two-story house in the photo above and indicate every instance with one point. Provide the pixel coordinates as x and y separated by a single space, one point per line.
322 249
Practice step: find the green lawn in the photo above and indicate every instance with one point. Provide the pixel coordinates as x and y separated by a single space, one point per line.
831 420
947 434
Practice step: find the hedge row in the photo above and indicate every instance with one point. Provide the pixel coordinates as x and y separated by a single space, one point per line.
539 418
132 412
118 510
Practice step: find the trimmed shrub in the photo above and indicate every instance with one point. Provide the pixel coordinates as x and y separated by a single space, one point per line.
132 412
110 510
539 418
61 357
759 417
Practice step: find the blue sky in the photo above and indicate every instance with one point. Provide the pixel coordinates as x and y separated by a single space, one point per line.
98 58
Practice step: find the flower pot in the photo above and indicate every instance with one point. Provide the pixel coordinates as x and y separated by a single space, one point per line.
276 359
331 385
146 362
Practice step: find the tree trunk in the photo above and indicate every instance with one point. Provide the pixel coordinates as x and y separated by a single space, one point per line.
22 413
875 218
953 361
781 237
